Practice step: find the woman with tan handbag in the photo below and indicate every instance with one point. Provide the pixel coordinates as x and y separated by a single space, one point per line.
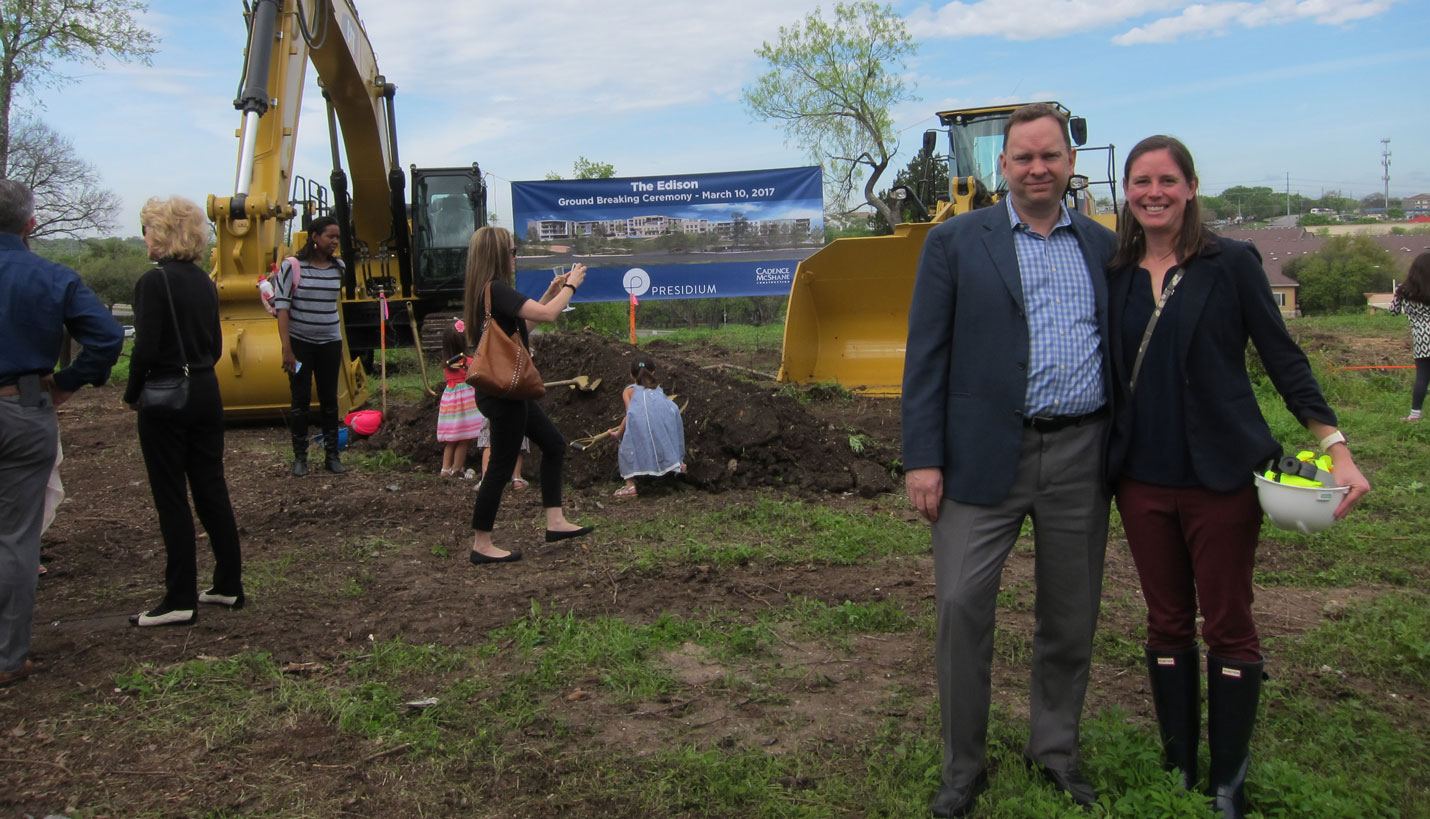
494 305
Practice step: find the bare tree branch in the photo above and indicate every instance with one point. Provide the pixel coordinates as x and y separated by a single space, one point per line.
69 200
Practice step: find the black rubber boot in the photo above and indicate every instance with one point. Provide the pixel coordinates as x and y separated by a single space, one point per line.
1233 691
1176 678
298 427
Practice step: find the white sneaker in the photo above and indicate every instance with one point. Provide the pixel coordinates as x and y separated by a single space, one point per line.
470 475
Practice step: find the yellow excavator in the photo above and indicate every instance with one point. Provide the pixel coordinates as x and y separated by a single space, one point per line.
848 313
414 261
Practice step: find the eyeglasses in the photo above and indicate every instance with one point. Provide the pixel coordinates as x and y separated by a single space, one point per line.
143 230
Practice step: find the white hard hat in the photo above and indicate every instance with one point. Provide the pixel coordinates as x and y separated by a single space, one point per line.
1304 509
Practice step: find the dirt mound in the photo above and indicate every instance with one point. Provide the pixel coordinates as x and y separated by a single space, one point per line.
739 432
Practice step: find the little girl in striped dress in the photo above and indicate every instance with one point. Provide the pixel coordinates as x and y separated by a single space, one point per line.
458 420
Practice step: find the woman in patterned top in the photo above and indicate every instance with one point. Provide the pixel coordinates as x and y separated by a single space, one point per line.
311 331
1412 298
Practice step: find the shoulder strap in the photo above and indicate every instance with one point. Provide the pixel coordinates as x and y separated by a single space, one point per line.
178 334
1152 325
297 268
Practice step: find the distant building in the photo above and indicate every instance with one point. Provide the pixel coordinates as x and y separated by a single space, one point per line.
1279 246
1417 205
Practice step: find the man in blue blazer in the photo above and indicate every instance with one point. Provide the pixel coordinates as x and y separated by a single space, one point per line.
1006 383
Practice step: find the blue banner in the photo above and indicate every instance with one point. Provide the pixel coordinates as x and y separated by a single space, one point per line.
716 235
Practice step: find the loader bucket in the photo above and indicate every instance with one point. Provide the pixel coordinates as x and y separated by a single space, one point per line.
848 314
250 370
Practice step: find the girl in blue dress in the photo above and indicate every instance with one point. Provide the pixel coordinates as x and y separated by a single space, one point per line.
652 435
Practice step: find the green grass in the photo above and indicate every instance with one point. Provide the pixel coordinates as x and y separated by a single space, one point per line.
770 531
1384 540
739 337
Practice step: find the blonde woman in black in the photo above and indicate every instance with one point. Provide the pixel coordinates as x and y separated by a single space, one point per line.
176 326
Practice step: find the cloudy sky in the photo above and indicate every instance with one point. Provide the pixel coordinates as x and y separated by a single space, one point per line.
1261 90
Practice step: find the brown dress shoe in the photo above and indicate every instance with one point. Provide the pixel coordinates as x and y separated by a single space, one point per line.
12 677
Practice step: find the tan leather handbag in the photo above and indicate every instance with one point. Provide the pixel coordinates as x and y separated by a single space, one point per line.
502 366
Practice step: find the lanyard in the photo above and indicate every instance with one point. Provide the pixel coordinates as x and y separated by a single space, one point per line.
1151 325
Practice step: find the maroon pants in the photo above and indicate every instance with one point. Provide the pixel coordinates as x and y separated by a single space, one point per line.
1191 546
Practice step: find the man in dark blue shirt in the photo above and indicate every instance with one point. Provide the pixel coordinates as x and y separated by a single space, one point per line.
39 300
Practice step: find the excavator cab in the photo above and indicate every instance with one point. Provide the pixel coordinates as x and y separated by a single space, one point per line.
847 321
447 205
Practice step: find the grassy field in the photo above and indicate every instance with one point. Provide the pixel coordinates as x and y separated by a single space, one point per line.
1343 730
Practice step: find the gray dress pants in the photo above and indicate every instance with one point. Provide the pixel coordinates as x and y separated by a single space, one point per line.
1059 486
28 437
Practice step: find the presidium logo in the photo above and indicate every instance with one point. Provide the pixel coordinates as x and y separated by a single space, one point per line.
638 283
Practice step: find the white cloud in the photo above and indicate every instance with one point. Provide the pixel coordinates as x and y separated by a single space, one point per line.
1048 19
568 59
1027 19
1216 18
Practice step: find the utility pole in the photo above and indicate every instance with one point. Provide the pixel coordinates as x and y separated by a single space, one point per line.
1288 194
1385 163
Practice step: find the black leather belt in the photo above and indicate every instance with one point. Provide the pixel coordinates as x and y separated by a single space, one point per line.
1041 423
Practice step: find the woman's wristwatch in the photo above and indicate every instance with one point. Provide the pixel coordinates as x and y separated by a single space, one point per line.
570 285
1334 438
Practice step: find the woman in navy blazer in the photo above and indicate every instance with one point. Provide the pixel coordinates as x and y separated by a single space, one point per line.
1187 436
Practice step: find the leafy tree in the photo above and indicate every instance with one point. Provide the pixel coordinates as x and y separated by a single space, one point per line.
832 84
36 34
68 198
1252 204
109 266
584 168
1376 201
1341 273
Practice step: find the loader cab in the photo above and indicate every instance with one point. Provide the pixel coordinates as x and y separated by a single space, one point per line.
448 204
975 139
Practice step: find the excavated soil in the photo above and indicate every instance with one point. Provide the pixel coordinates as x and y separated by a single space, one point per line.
740 433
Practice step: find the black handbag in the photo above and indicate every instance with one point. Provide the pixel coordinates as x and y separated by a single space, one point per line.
168 393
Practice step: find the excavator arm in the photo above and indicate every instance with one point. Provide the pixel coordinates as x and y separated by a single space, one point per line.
252 224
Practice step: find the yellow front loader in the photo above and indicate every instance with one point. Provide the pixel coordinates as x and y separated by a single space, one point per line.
847 321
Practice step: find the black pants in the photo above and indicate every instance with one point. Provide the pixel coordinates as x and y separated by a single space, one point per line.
187 447
509 422
321 363
1422 382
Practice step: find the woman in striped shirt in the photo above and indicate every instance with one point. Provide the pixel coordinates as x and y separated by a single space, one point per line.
311 330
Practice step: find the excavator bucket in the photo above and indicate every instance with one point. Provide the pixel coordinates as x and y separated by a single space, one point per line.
848 316
251 373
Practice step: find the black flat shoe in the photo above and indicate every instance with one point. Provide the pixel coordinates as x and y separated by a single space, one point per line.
300 468
553 536
479 559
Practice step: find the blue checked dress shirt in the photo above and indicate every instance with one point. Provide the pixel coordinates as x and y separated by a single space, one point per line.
1065 363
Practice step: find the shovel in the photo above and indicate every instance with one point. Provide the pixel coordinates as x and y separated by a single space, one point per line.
580 382
583 444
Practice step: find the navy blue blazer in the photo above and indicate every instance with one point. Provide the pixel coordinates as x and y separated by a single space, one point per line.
1225 301
966 361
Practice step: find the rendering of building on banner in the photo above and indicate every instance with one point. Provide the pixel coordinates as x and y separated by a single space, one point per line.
714 235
